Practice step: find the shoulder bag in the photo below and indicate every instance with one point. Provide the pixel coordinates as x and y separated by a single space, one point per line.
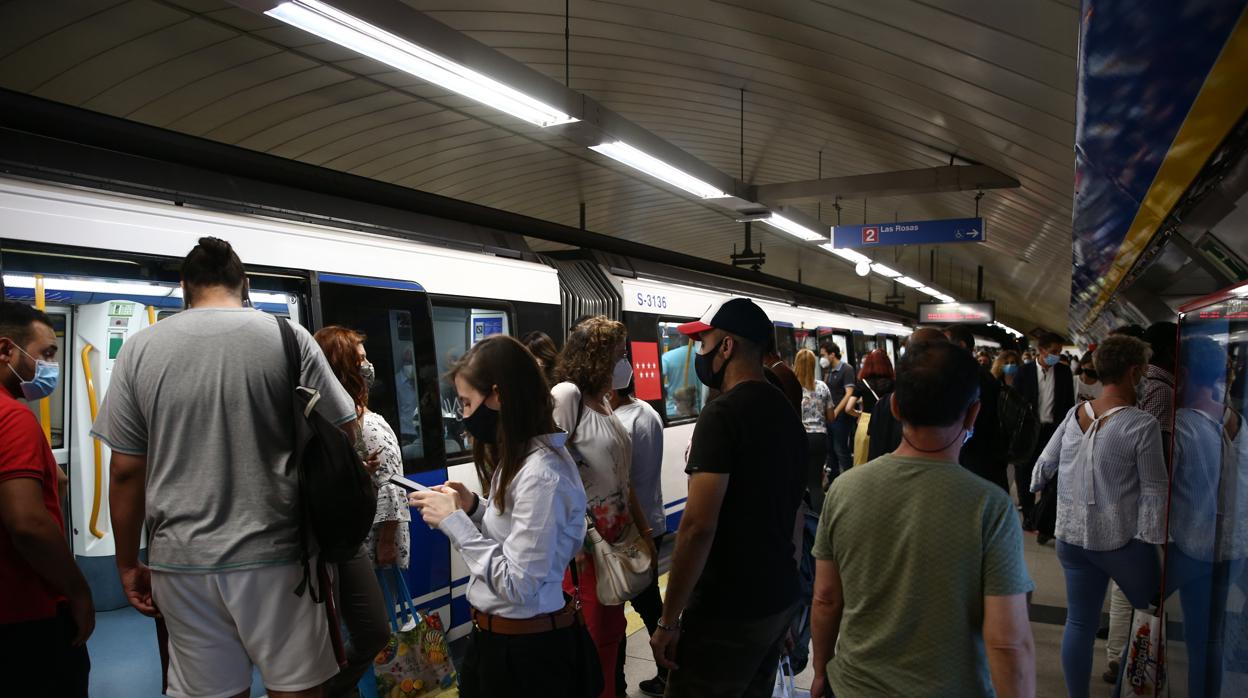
622 567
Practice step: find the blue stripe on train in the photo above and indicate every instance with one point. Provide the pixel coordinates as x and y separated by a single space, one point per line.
430 568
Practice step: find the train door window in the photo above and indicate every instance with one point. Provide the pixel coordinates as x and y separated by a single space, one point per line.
806 339
786 343
394 318
455 329
683 394
890 347
53 412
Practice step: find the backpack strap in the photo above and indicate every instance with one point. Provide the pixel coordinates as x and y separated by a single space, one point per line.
294 366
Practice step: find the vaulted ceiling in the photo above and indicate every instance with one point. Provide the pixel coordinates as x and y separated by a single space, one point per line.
831 88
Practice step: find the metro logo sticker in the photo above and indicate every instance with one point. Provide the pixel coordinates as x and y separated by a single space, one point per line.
646 377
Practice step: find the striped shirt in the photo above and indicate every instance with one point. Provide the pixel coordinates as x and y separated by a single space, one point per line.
1111 485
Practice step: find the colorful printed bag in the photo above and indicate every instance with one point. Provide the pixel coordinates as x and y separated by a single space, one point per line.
1145 672
416 661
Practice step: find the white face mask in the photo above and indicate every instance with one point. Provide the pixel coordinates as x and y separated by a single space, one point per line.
622 374
824 363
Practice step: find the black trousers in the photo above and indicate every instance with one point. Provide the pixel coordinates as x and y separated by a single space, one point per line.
1022 472
37 659
363 611
508 666
649 605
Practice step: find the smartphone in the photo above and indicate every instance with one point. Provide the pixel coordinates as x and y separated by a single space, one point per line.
408 484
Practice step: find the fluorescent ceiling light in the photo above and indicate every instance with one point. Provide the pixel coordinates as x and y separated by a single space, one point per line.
885 271
341 28
949 299
793 228
121 288
852 256
627 154
931 292
907 281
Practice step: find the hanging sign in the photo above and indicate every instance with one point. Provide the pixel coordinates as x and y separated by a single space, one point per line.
909 233
970 313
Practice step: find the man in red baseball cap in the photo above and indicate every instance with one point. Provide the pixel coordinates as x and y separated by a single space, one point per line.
733 588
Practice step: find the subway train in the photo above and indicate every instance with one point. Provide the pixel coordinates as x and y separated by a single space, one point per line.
104 266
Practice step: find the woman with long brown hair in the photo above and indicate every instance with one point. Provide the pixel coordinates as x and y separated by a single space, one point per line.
593 363
817 407
388 542
876 378
519 537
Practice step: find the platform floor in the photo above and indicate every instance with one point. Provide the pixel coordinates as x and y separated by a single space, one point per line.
125 663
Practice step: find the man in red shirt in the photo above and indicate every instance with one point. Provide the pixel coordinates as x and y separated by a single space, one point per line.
46 614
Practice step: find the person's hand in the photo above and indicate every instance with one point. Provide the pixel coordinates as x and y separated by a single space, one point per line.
82 610
137 583
434 505
819 686
372 462
62 482
387 552
464 497
663 644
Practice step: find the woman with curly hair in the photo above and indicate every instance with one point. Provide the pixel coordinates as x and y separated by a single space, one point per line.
593 363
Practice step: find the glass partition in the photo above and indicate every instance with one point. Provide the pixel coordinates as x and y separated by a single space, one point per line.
683 393
455 329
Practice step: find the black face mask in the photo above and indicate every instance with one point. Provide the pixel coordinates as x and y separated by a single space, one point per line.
483 424
702 364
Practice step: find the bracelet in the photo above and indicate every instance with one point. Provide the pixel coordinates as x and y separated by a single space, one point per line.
476 502
669 628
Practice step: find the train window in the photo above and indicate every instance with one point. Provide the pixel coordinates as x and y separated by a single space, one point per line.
786 344
392 322
806 339
455 329
52 412
683 394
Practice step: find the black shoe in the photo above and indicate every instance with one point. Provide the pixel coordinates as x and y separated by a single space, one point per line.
1102 633
1042 538
1111 673
653 687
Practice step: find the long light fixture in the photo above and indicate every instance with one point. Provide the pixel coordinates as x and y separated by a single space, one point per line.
636 159
930 291
793 228
885 271
345 30
907 281
846 254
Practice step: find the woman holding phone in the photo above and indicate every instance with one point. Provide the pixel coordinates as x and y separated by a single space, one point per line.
519 537
359 596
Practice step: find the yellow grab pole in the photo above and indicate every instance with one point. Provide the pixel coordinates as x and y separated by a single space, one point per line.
45 409
151 315
94 524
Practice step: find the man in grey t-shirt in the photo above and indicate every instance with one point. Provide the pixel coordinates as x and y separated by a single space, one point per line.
199 417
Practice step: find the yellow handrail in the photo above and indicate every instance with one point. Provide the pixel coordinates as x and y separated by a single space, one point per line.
45 409
151 315
94 524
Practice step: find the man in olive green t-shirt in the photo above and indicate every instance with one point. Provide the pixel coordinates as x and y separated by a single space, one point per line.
920 585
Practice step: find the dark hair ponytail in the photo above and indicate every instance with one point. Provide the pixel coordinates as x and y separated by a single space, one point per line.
526 410
212 262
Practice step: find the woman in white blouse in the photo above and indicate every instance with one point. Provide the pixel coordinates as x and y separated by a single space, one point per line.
594 362
1111 497
518 538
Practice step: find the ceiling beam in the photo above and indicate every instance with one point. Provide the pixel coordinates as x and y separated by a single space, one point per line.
903 182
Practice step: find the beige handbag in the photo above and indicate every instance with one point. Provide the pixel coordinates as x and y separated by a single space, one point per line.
622 567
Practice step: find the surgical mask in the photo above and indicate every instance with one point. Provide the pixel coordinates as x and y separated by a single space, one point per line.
622 375
1029 362
969 433
409 371
1051 359
1010 370
47 373
483 424
369 373
703 364
824 363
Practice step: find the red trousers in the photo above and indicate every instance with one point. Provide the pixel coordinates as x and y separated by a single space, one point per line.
606 623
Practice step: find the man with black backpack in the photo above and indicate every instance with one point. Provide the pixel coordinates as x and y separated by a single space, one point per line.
200 417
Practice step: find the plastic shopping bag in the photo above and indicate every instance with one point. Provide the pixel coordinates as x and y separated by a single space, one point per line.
1145 670
416 661
785 682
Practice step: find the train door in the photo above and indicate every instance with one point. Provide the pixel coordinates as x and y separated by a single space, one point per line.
395 318
842 339
786 342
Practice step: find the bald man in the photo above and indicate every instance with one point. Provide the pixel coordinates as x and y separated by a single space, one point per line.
884 429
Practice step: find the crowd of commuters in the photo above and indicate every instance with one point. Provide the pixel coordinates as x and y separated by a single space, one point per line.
807 487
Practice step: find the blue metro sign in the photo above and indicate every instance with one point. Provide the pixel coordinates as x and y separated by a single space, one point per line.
909 233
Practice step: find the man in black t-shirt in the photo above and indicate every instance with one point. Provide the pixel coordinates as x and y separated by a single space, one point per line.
733 588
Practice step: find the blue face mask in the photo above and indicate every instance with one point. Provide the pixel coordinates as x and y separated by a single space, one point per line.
1052 359
47 373
1010 370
